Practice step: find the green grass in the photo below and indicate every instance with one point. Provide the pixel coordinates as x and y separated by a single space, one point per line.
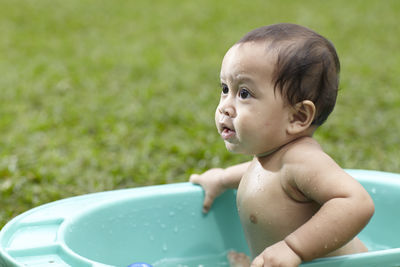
100 95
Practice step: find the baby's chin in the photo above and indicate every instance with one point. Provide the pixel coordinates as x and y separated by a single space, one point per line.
232 147
236 148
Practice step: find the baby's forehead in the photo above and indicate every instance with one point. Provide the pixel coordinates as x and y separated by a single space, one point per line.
249 57
250 48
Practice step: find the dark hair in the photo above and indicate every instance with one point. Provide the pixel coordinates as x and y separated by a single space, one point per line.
307 66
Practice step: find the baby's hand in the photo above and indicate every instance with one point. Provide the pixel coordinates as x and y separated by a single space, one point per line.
279 254
211 181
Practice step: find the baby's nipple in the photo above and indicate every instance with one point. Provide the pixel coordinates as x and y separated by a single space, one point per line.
253 218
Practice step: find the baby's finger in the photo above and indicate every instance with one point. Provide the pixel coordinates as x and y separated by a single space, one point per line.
194 178
208 200
257 262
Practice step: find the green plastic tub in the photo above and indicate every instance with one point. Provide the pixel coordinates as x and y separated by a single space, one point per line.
164 226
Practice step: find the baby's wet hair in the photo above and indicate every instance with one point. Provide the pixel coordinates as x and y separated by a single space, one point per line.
307 65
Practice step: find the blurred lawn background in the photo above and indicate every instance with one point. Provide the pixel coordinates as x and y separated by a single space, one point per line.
101 95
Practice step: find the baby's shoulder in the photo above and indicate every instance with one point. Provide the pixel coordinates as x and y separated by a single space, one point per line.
304 162
305 152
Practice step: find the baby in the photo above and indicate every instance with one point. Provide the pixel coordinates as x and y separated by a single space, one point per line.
279 84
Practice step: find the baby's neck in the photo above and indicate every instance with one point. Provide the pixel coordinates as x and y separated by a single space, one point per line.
289 142
269 153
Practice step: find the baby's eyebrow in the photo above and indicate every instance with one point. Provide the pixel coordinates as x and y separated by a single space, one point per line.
237 77
240 78
243 77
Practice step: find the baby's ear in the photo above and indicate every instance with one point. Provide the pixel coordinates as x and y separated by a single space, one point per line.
301 117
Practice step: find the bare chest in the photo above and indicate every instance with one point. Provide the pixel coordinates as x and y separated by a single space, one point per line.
261 198
267 212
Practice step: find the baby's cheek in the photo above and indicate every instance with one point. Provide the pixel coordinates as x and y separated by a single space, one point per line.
246 124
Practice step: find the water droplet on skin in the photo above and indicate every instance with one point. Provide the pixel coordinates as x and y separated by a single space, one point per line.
176 229
164 248
171 213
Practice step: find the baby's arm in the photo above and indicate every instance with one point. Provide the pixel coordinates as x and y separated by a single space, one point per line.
345 205
216 181
345 210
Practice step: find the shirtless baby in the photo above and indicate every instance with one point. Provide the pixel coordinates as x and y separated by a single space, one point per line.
279 84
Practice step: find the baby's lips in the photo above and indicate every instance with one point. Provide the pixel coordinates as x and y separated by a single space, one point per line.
227 133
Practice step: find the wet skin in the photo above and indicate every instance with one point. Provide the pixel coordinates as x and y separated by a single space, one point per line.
271 208
295 203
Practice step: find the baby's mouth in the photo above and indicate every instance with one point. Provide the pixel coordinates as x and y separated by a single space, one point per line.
227 133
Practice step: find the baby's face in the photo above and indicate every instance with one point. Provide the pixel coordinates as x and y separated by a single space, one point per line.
250 117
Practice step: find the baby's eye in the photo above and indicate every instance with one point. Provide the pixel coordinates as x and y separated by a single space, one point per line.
225 89
243 93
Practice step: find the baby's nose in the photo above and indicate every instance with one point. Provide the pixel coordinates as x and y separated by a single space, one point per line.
227 110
